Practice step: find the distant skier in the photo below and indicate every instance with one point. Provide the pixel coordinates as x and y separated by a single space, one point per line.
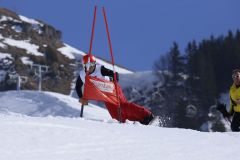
234 102
130 111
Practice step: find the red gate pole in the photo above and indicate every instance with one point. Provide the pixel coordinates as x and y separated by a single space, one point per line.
90 51
112 57
93 27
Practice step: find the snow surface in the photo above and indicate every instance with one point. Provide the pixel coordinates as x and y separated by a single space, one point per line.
2 45
5 55
29 20
17 28
70 52
73 53
42 104
117 68
59 134
24 44
26 60
6 18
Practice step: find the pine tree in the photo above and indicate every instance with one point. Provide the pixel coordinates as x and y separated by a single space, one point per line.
175 63
160 66
207 74
192 64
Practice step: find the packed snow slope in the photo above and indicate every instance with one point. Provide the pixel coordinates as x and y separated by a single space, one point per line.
46 126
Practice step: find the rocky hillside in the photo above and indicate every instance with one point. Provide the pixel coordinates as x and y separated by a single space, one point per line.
25 44
29 47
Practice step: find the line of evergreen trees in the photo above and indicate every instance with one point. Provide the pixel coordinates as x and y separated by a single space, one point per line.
208 65
205 68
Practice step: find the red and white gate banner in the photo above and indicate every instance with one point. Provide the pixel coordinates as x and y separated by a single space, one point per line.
100 90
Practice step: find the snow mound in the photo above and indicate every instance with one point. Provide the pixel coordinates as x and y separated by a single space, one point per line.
42 104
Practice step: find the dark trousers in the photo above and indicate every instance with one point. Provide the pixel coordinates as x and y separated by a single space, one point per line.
236 122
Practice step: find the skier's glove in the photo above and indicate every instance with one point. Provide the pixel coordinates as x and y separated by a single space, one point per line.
83 101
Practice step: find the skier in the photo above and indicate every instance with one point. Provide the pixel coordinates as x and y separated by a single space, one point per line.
234 110
130 111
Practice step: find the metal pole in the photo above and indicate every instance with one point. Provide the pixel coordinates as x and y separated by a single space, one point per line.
40 79
19 83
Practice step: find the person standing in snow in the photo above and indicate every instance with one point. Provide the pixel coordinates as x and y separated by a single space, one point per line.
130 111
234 110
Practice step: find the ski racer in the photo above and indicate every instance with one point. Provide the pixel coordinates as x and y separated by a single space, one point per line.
130 111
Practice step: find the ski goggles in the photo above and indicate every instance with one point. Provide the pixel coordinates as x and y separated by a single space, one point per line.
89 64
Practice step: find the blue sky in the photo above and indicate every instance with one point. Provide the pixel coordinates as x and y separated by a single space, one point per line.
141 30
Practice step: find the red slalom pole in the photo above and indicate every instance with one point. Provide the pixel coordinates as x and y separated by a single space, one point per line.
112 57
90 51
108 35
93 27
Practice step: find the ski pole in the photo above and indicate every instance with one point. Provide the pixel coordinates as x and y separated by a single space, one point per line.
228 120
81 113
90 49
